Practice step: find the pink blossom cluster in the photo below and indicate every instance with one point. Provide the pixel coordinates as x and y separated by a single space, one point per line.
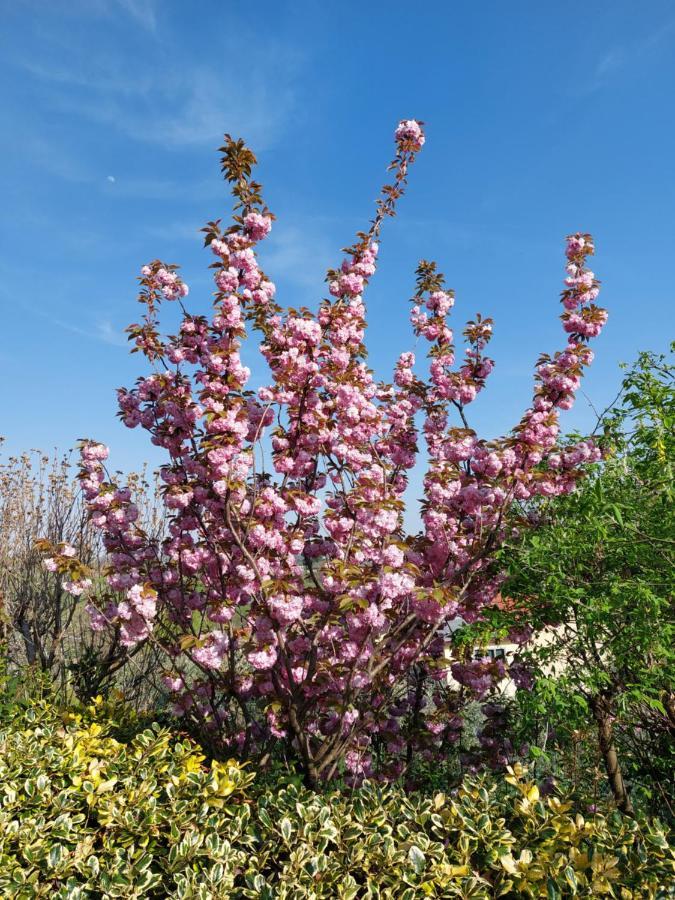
63 561
165 281
409 133
479 675
285 581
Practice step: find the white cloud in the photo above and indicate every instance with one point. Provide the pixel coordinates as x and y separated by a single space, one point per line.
609 62
53 158
142 11
168 99
195 108
109 334
659 34
102 331
618 58
57 158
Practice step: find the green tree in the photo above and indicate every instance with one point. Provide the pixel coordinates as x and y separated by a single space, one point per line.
597 581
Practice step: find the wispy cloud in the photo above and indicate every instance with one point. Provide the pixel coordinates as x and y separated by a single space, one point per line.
56 308
619 57
170 104
142 12
102 331
108 333
655 37
54 159
57 158
611 61
194 109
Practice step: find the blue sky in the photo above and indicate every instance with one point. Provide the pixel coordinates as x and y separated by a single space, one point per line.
542 119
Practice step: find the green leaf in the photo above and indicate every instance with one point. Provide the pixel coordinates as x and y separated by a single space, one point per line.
417 859
571 878
552 890
656 704
286 828
264 817
55 856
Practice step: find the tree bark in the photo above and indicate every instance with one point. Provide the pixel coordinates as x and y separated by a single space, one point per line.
603 718
309 767
415 722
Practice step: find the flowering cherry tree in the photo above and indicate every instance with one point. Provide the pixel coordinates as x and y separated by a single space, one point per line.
286 597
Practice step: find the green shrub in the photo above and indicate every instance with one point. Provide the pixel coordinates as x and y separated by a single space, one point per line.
490 839
83 815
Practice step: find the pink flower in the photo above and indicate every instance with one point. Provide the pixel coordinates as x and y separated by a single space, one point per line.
96 619
76 588
92 452
211 653
286 609
170 284
220 248
227 279
409 134
144 600
395 584
393 556
257 226
263 658
173 683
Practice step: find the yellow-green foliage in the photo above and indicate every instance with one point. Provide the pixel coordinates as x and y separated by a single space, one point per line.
84 815
485 841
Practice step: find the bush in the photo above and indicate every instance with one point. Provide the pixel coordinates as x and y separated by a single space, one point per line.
85 815
44 631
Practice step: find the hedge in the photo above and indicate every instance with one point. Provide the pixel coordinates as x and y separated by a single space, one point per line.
85 815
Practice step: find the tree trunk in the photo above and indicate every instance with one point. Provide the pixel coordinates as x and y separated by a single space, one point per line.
603 718
311 776
309 767
670 709
415 723
29 644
